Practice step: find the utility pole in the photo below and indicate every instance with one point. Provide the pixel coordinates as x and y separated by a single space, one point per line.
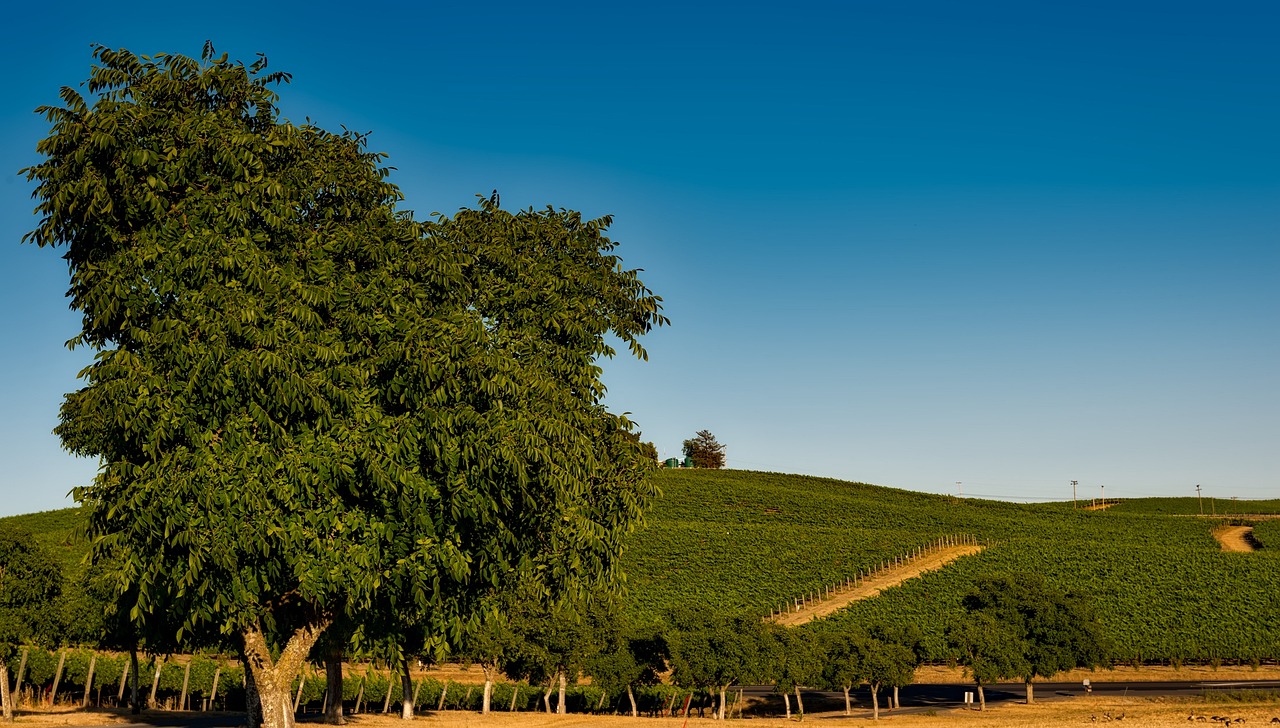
1104 495
1199 499
959 489
1073 493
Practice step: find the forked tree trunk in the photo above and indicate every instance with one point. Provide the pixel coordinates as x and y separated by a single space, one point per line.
1031 693
848 706
274 677
875 701
4 692
560 707
333 655
252 703
635 713
488 690
406 691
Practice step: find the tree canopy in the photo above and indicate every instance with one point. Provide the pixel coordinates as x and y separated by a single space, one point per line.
305 402
704 450
1018 626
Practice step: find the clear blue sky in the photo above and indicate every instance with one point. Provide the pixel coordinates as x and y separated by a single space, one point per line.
1010 244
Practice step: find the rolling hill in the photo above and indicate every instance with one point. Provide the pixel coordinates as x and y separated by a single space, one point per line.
748 541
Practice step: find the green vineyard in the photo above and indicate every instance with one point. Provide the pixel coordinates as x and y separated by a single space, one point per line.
1164 590
735 541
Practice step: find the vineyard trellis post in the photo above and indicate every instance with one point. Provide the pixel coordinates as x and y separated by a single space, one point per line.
57 677
88 681
155 682
213 692
186 683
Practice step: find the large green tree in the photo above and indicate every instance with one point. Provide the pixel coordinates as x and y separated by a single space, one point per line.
306 404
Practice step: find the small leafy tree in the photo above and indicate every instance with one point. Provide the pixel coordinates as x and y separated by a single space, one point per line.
704 450
1055 630
30 584
628 655
715 651
886 664
844 662
989 648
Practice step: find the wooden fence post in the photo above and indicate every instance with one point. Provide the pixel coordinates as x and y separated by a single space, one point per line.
186 682
88 681
22 670
155 682
57 677
213 694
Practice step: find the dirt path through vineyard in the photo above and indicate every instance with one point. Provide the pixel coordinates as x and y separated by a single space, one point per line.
877 583
1234 538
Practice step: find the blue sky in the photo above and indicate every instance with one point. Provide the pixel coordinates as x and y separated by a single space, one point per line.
910 243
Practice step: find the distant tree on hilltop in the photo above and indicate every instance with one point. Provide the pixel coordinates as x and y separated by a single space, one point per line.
704 450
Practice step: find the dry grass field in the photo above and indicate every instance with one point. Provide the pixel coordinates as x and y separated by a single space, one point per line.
1077 711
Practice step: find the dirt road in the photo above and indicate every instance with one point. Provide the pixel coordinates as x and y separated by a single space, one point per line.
1234 538
877 583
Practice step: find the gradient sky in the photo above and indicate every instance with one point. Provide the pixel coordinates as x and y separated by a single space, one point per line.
1008 244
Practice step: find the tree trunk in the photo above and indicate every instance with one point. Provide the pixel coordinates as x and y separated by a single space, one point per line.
274 677
135 706
488 690
982 699
799 703
635 713
1031 693
333 655
88 681
848 706
406 691
786 700
22 671
875 701
896 704
546 697
723 688
252 701
560 707
57 677
5 700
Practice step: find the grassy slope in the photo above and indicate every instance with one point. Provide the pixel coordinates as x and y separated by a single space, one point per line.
1192 506
56 532
741 540
737 540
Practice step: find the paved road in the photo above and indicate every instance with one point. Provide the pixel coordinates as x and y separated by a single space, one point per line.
925 697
